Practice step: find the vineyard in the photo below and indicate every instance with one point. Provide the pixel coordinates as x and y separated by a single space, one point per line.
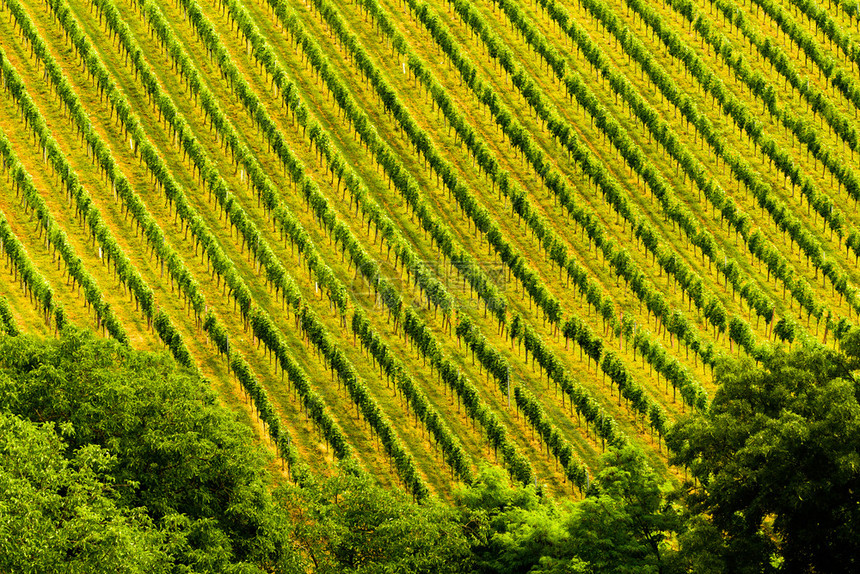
430 236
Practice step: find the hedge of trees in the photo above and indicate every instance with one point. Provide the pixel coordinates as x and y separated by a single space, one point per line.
8 325
426 345
574 469
394 371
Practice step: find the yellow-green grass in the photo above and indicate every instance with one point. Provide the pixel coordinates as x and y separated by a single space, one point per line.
193 338
437 405
776 132
647 206
609 103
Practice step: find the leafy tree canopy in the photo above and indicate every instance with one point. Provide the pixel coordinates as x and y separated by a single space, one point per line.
625 524
116 460
149 440
776 465
58 512
350 524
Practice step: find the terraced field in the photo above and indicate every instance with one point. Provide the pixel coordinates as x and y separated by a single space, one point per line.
427 236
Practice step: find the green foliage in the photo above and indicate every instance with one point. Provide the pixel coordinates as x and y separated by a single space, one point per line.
58 511
7 321
152 440
625 524
775 463
509 527
350 524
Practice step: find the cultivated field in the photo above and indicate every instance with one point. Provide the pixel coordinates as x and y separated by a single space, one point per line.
432 235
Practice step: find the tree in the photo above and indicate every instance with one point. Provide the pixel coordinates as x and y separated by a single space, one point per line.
626 522
777 482
350 524
58 512
154 434
510 528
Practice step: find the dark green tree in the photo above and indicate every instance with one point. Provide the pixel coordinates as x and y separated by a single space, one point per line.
510 528
777 482
58 512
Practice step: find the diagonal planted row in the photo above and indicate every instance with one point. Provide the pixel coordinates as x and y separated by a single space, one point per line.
816 100
8 326
574 470
564 132
486 159
217 332
267 188
24 272
358 55
843 81
675 323
276 12
782 216
383 285
54 235
355 386
741 169
634 155
777 265
321 418
398 175
618 258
